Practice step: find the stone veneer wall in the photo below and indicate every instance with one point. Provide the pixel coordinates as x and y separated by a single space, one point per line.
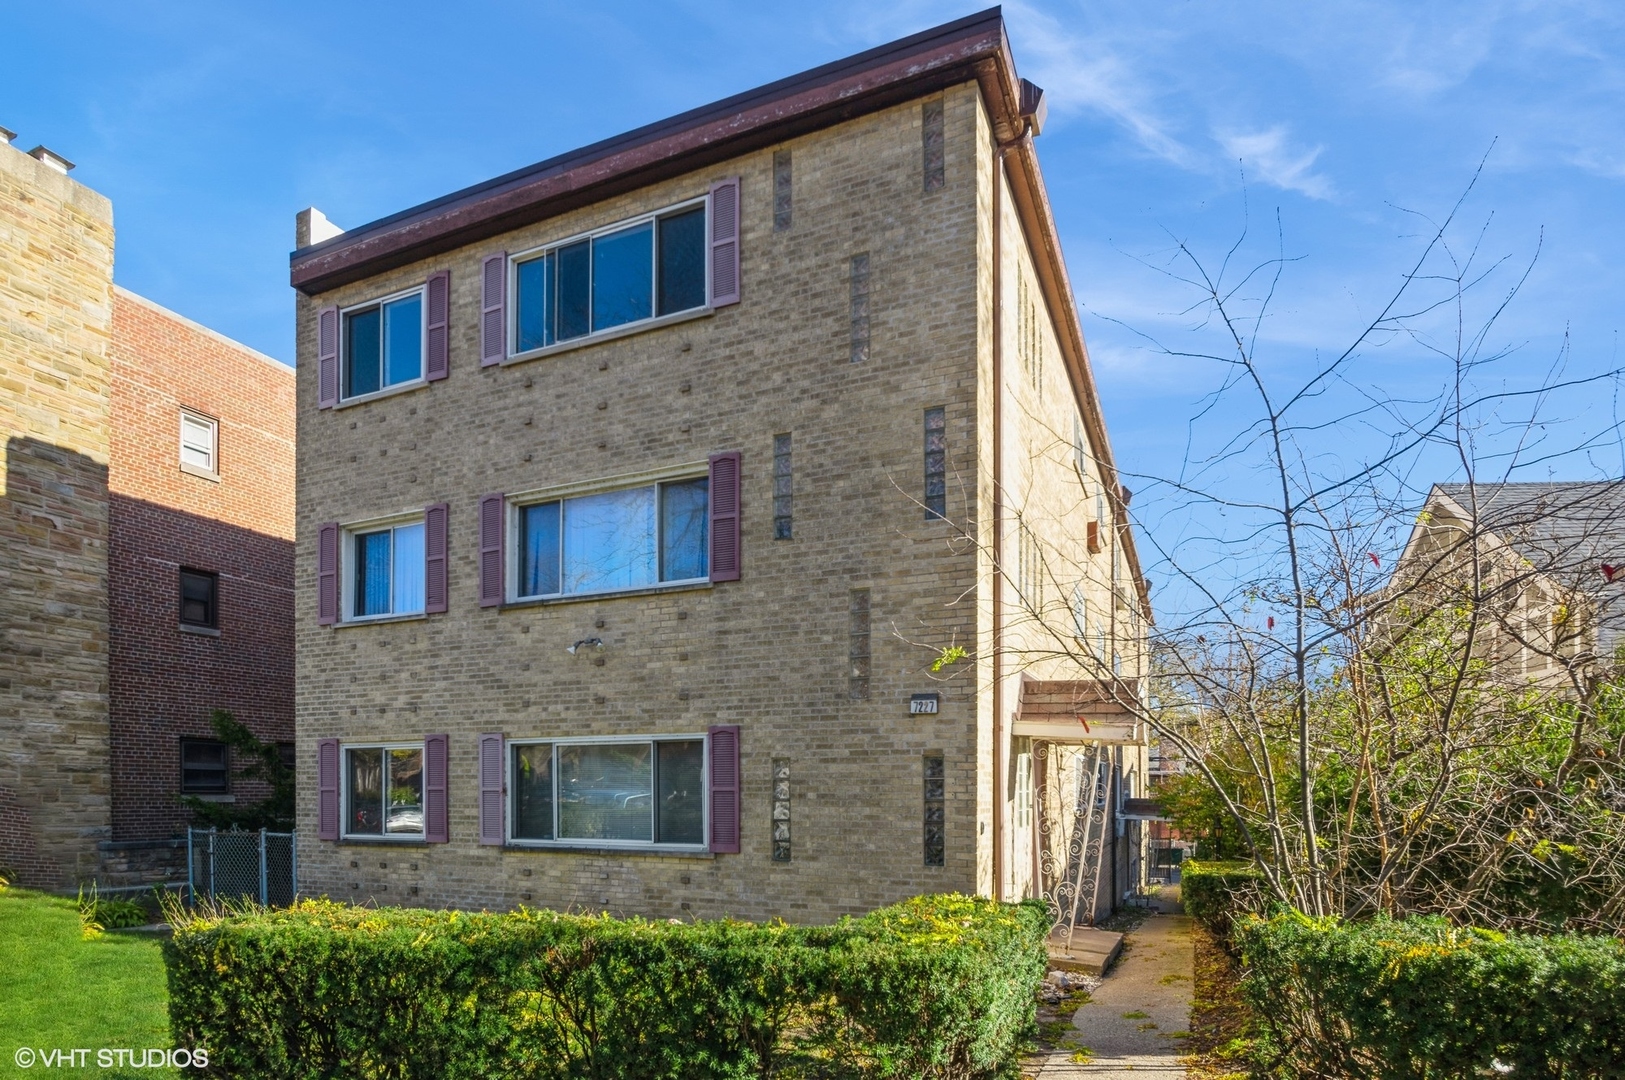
56 264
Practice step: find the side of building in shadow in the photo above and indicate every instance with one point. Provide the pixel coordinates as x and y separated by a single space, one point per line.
146 535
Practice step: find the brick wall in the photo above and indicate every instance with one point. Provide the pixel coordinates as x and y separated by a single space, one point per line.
56 258
768 652
165 681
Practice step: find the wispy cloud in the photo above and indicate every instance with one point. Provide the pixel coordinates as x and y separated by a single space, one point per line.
1268 156
1091 76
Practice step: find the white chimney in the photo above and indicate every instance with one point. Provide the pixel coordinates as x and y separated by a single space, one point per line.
310 226
51 159
7 134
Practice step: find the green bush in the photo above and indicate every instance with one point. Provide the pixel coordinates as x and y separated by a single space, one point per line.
1404 1000
933 987
118 914
1216 893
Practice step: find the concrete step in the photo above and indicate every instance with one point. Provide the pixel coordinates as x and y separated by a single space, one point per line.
1091 951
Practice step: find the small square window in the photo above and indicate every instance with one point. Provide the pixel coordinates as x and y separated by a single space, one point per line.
205 767
384 790
200 442
200 599
383 344
387 571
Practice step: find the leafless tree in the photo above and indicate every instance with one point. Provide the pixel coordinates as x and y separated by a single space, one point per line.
1393 712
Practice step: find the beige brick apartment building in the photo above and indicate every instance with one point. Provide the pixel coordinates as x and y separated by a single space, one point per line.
146 548
640 489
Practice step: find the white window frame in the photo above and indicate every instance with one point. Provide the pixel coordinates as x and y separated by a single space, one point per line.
511 296
510 793
516 505
347 535
421 291
213 471
344 793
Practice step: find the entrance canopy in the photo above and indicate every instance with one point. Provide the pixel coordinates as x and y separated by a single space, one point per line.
1080 711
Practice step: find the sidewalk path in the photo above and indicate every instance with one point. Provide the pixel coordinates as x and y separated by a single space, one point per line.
1132 1018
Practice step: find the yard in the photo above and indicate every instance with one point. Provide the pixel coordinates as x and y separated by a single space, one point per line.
60 991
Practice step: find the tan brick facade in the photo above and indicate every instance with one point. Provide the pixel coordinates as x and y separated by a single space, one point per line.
769 652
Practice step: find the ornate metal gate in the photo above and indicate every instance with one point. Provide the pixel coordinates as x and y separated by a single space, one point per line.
1072 843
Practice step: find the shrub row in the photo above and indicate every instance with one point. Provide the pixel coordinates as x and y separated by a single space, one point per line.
1216 893
933 987
1403 1000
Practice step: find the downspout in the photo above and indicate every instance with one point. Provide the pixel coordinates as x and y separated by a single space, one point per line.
998 522
999 764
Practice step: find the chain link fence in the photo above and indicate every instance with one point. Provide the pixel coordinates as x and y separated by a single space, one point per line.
258 866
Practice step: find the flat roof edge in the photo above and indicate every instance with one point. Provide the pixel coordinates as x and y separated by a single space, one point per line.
827 95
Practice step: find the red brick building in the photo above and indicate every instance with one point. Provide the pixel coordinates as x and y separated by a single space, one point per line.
201 488
146 548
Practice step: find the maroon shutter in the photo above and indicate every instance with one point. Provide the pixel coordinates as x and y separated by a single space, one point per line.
434 558
327 357
436 828
327 574
437 353
725 242
492 592
725 517
493 321
492 829
327 789
725 788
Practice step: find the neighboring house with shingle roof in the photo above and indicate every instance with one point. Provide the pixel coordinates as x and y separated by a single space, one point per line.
1543 564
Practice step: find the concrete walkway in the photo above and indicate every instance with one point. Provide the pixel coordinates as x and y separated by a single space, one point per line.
1132 1018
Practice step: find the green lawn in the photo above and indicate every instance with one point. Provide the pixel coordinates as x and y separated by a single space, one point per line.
58 990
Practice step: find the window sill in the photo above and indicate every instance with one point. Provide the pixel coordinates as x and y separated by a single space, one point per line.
388 391
370 841
610 335
375 620
201 473
201 631
612 594
590 849
210 798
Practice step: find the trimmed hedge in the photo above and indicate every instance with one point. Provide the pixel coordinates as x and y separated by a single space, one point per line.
1404 1000
1217 893
939 986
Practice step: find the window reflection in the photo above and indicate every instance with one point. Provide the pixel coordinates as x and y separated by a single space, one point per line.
609 541
606 792
365 814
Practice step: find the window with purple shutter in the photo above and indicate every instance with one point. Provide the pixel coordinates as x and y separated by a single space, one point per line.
725 516
725 788
437 348
327 357
435 541
436 825
327 789
725 242
492 527
493 316
492 824
327 574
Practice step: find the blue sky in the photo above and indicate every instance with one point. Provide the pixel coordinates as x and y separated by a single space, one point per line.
209 125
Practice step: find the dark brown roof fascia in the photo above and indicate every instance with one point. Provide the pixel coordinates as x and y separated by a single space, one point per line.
972 48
